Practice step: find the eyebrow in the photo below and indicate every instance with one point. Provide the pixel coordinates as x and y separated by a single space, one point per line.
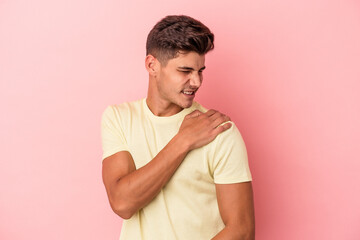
189 68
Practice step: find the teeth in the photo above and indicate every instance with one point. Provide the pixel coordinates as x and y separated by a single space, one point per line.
188 93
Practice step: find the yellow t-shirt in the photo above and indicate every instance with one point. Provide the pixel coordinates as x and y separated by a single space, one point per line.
186 208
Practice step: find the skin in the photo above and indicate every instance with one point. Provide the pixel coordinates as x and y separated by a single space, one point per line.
183 73
130 189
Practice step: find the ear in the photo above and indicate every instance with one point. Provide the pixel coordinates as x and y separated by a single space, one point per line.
152 64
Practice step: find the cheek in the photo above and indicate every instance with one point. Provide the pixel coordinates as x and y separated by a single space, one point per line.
166 84
174 82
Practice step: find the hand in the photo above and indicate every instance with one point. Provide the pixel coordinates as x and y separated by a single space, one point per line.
199 129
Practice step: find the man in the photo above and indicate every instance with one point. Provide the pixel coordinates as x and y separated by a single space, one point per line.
172 169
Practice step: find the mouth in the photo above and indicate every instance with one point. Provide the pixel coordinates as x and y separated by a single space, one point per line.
188 93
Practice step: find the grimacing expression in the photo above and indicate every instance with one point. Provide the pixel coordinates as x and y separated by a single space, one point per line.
179 80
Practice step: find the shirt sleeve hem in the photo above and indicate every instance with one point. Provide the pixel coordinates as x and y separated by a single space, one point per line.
113 151
233 180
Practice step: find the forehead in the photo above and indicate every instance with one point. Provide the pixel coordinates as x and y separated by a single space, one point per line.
188 59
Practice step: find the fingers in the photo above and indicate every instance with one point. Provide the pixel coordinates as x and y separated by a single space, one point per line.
218 121
195 113
214 114
212 118
201 128
210 112
217 118
222 128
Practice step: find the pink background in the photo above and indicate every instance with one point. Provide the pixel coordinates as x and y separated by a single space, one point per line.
287 72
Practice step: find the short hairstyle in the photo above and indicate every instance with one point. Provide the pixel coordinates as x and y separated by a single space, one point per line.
176 33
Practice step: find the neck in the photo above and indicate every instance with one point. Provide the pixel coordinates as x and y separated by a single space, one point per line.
162 108
158 105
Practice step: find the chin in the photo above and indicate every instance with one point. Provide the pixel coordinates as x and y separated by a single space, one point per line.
186 104
183 103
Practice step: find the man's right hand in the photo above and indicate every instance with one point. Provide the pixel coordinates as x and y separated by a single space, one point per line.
199 129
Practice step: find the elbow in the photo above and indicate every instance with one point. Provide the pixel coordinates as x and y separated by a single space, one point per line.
122 209
248 234
124 214
243 232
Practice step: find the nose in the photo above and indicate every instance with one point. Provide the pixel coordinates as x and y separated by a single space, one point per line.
195 80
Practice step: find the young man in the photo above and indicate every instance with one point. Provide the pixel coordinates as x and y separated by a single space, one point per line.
171 168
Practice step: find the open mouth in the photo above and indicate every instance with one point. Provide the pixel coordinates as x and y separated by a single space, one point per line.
189 93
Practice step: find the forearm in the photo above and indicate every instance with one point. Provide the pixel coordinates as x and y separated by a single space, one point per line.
135 190
233 233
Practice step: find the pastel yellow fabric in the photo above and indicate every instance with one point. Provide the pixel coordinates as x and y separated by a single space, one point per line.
186 208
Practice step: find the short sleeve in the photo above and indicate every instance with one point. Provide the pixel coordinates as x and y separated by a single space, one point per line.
112 135
229 163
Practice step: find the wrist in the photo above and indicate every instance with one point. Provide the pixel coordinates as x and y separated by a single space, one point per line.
181 143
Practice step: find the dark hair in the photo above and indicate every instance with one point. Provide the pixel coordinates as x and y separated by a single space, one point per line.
176 33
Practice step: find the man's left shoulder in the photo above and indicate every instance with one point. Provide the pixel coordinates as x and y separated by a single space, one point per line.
198 106
231 134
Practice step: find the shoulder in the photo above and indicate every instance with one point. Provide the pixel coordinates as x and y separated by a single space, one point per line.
122 109
233 131
229 137
198 106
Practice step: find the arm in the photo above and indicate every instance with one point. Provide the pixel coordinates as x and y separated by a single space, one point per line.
130 189
237 211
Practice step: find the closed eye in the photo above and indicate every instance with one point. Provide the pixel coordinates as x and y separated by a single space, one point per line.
185 69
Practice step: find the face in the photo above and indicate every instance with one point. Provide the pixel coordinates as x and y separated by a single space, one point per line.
178 81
